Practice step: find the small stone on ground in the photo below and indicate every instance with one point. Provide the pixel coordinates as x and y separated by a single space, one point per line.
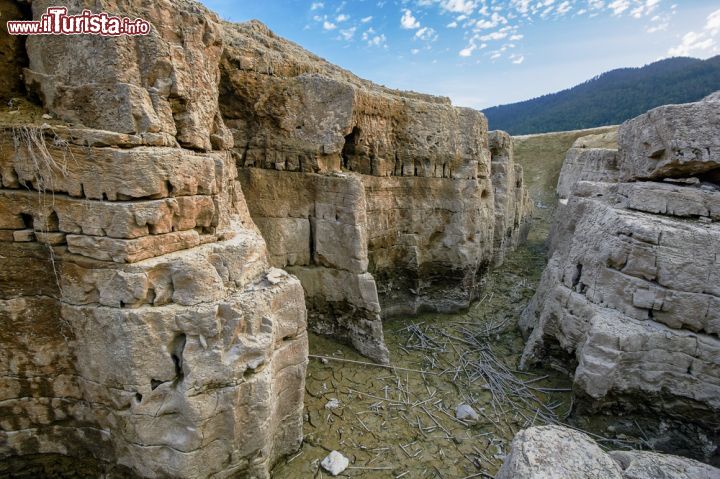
335 463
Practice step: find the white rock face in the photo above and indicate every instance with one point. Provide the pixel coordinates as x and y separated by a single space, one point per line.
591 158
671 141
553 452
512 200
631 288
335 463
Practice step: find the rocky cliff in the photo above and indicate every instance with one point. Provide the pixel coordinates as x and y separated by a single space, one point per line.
145 328
381 202
630 293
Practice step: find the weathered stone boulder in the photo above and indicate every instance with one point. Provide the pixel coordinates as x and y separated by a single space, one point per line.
651 465
630 290
554 452
671 141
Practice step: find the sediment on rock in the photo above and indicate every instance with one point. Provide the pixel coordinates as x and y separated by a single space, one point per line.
630 289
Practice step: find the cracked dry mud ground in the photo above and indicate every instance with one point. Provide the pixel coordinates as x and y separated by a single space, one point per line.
401 423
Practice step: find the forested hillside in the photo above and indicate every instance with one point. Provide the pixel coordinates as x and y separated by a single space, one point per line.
611 98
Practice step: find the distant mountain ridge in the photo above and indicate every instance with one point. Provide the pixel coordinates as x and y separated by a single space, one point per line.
611 98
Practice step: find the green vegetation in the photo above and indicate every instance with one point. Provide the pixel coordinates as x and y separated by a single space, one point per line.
611 98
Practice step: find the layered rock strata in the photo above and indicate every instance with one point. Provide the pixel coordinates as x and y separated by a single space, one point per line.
146 329
630 292
386 200
558 452
513 205
143 327
591 158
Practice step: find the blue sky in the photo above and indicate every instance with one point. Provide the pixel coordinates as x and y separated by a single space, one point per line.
482 53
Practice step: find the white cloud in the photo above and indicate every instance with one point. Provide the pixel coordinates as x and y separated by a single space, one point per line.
317 6
517 60
692 43
342 18
658 23
458 6
415 51
366 19
494 36
713 22
452 25
377 41
701 43
329 26
348 33
408 21
468 51
619 6
563 8
427 34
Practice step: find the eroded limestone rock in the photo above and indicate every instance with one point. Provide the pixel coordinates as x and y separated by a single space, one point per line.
513 206
163 82
553 452
144 329
587 164
630 290
381 201
671 141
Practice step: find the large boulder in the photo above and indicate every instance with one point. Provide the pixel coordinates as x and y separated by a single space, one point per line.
672 141
552 452
630 292
651 465
555 452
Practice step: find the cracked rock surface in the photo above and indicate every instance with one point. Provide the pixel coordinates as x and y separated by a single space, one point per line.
554 452
630 294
